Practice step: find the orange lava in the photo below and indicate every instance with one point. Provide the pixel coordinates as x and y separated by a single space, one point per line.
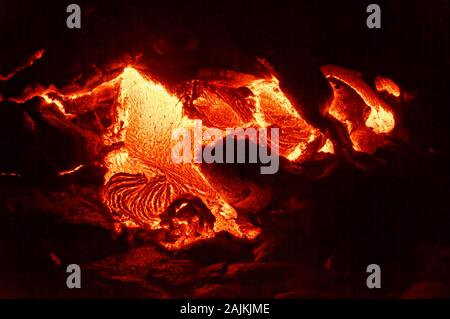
365 114
383 84
142 181
144 188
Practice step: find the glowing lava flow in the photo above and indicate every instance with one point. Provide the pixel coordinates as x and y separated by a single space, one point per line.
381 118
142 180
352 96
144 188
387 85
273 107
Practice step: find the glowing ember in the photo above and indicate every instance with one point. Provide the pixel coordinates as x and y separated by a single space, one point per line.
10 174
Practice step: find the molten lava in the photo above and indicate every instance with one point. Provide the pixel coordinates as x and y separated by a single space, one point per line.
383 84
355 104
144 188
143 181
